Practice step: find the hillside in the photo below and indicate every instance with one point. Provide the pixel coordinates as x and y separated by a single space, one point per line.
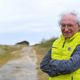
17 62
41 50
21 60
6 53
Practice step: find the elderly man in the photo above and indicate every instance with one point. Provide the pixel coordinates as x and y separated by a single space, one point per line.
62 62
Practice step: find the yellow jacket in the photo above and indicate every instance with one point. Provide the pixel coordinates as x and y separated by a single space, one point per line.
62 50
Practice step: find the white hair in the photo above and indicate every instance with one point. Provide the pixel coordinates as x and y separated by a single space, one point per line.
74 13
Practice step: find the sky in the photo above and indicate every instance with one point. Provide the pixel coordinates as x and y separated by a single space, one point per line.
32 20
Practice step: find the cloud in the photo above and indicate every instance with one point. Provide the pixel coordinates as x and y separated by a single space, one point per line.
33 16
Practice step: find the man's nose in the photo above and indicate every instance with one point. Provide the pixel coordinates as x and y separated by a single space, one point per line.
66 28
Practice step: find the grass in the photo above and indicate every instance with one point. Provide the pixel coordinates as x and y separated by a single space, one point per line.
40 53
41 49
7 54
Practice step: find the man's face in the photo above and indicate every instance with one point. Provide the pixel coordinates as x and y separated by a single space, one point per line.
68 25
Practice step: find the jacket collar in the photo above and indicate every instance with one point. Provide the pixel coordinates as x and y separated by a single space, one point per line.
77 35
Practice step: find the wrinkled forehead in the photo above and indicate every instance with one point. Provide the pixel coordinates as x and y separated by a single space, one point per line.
68 17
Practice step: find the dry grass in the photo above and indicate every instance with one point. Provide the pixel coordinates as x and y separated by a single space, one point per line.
41 49
8 53
40 54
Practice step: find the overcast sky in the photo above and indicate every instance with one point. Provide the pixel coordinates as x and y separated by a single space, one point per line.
32 20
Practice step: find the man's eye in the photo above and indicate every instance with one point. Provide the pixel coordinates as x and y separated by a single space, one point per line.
70 25
63 25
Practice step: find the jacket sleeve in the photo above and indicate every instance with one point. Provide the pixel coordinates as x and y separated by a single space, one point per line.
45 66
67 66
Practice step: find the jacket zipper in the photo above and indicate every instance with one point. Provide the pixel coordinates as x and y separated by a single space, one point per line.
63 44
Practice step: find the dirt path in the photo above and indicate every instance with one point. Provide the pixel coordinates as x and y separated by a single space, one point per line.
23 68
